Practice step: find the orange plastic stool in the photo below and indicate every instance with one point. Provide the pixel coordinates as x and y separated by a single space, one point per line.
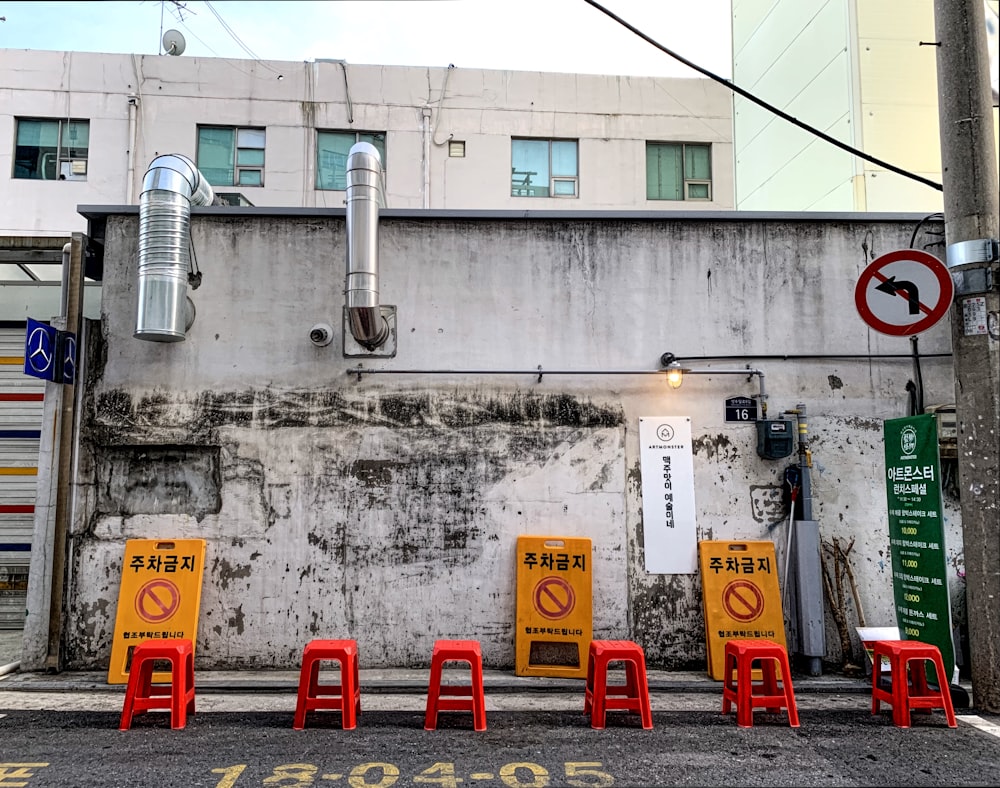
141 694
633 695
741 690
345 697
910 691
456 697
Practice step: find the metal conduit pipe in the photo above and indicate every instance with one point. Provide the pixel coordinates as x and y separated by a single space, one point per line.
365 195
172 184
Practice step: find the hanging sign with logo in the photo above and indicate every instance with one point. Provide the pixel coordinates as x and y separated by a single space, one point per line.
670 538
49 354
916 534
39 350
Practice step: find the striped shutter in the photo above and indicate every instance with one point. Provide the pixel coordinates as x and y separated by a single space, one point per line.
20 424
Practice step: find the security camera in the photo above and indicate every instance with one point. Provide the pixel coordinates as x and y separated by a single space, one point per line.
321 334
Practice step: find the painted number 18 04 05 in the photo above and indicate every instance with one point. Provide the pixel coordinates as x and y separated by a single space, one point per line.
587 774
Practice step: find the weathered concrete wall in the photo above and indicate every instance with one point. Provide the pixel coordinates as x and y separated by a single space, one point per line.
386 508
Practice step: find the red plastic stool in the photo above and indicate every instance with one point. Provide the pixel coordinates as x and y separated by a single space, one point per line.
910 691
633 695
345 697
141 694
739 657
456 697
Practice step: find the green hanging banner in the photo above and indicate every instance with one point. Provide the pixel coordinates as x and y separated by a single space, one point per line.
916 535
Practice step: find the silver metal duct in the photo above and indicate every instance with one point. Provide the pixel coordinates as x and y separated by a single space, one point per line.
365 195
172 184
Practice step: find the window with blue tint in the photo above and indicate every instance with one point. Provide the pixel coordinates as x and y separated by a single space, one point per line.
51 150
332 148
543 168
678 171
231 156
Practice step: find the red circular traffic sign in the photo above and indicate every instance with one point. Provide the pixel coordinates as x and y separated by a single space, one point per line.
904 292
157 601
742 601
554 598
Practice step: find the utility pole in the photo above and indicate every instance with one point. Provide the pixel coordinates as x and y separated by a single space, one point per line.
972 227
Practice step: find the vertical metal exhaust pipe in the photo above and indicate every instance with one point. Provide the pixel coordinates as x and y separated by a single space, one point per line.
365 195
172 184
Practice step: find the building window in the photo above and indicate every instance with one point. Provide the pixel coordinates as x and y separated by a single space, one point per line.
543 168
50 150
678 171
332 148
229 156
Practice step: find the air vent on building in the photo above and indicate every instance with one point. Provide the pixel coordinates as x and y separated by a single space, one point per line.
456 149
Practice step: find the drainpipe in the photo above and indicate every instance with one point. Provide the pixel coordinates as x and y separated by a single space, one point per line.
133 102
426 112
365 195
172 184
809 563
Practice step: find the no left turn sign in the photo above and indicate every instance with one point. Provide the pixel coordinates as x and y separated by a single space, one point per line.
904 292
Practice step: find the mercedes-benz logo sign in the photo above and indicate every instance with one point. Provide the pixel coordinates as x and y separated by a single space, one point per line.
40 350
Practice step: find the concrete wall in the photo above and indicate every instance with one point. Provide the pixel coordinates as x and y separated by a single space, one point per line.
387 508
140 106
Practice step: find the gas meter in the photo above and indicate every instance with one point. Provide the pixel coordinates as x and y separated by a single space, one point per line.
775 438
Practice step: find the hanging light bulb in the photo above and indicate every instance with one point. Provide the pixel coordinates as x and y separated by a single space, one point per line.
675 375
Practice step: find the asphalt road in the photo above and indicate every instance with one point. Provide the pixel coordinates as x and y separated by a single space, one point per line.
833 746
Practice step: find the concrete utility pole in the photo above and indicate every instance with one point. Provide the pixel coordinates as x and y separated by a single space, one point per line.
972 227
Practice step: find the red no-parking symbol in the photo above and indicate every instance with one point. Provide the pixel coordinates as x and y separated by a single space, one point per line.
743 601
554 598
157 601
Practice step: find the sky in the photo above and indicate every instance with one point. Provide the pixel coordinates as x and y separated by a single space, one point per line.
523 35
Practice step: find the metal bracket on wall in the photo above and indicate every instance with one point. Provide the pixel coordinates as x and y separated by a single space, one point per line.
973 265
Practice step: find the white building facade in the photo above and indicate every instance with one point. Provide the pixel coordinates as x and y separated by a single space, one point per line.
81 128
861 71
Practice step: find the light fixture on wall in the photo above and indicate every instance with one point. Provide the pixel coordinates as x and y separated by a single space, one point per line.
676 371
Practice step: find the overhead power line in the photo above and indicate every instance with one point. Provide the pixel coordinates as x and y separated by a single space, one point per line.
237 39
769 107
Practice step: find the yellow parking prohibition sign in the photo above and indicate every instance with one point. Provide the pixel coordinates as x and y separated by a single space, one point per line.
554 606
159 597
741 597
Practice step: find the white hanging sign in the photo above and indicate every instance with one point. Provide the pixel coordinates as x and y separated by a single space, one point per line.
668 515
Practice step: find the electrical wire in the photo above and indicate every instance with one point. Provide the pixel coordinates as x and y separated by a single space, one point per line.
927 218
769 107
232 34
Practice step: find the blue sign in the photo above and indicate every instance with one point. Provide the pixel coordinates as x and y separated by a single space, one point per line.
40 350
66 342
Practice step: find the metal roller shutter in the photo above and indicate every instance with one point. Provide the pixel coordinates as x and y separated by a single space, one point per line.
20 423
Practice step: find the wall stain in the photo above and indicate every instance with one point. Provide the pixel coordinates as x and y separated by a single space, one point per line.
115 416
224 572
715 447
373 473
237 620
835 382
